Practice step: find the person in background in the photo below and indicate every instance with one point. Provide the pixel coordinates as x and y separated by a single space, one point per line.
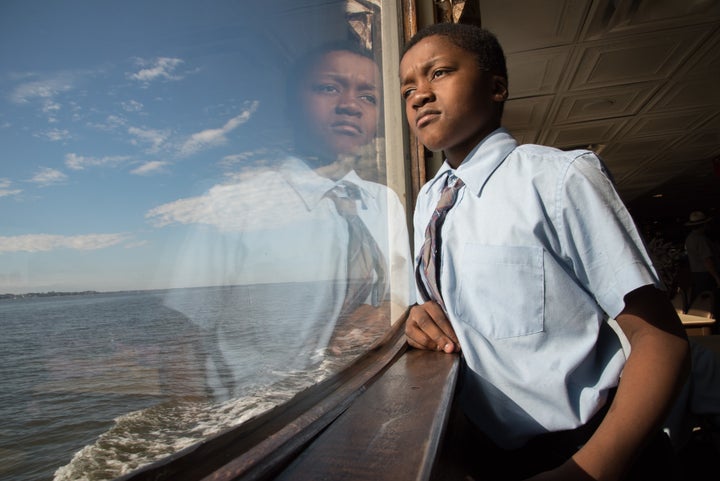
703 258
317 256
524 253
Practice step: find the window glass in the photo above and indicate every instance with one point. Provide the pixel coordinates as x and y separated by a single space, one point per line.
198 218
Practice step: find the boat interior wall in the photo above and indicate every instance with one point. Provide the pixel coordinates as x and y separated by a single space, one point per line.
633 80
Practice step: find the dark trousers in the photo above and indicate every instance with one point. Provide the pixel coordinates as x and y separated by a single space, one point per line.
468 454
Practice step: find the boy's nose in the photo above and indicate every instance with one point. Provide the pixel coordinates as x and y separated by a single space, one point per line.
348 104
421 96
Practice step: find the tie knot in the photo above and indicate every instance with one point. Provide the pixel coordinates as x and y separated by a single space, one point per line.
454 182
345 194
345 189
352 191
448 196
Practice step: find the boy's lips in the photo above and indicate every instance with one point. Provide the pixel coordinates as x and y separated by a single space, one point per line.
345 127
425 116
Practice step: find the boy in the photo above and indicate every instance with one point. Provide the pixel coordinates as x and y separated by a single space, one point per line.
534 253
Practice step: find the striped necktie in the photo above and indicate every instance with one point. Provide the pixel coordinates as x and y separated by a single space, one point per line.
427 271
366 263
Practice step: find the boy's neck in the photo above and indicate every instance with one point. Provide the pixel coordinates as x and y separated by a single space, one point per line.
456 156
334 171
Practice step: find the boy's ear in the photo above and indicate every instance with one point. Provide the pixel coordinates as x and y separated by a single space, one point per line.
500 88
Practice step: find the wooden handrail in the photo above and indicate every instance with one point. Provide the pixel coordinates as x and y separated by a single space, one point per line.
393 431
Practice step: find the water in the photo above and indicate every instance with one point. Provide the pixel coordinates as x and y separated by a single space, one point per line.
93 386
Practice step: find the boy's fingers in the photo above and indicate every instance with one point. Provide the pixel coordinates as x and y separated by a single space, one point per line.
442 322
429 329
415 335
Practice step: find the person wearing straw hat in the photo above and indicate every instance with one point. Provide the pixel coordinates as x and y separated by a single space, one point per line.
703 258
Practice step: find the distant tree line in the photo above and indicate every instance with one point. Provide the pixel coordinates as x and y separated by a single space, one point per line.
46 294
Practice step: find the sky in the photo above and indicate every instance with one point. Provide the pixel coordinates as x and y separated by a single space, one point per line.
111 110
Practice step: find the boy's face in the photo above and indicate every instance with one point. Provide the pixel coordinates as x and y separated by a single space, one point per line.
451 104
338 105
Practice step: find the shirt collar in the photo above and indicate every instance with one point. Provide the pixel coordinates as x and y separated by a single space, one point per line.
481 162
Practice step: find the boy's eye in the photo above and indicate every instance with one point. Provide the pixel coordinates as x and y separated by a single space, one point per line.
325 88
407 93
371 99
439 73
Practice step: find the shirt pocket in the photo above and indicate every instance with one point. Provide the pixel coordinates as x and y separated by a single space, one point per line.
501 290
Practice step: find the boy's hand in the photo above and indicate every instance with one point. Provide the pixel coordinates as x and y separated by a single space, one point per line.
428 328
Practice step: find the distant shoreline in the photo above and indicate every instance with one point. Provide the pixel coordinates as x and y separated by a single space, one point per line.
47 294
131 291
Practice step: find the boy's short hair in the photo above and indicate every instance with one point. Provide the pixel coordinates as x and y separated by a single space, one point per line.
472 38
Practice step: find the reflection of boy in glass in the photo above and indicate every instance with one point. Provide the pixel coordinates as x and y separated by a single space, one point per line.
279 235
334 105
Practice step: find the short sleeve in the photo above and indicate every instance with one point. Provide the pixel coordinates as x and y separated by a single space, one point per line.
599 239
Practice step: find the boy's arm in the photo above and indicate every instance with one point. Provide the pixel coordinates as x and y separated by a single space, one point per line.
654 373
427 327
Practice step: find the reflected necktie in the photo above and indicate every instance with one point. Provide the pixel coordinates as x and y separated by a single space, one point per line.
366 263
427 271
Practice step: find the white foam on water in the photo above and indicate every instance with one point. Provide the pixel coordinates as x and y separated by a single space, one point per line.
142 437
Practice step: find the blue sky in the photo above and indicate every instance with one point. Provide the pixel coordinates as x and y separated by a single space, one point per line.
110 109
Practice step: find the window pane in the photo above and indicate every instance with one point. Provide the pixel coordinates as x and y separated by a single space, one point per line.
198 218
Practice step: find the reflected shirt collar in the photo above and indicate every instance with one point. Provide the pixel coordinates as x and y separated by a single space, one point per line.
312 187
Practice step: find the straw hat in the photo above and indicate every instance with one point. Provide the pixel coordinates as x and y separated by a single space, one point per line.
697 218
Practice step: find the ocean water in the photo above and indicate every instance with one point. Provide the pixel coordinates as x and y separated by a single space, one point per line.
93 386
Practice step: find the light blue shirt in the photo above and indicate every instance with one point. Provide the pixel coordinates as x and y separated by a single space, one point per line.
537 252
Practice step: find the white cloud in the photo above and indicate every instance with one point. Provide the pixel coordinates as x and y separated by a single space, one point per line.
149 168
159 68
50 108
132 106
213 137
232 160
245 158
242 205
54 134
48 242
155 138
47 176
42 89
79 162
45 92
9 192
111 123
5 189
183 211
